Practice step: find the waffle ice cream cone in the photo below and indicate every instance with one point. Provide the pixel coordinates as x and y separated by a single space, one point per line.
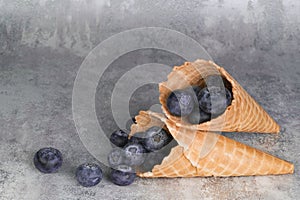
201 153
216 155
243 115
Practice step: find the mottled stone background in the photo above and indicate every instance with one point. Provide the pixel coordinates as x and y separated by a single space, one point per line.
43 43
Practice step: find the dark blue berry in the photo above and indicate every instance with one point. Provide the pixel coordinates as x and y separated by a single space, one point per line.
48 160
89 174
134 154
156 138
116 157
119 138
196 89
214 100
180 102
123 175
137 138
198 116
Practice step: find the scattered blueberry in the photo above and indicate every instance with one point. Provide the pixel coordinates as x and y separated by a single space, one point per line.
156 138
123 175
180 103
198 116
137 138
48 160
119 138
134 154
116 157
221 99
89 174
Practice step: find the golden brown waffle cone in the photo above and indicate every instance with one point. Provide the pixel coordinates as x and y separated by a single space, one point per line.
208 154
216 155
243 115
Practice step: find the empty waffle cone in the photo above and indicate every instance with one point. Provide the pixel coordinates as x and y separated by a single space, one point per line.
201 153
244 114
215 155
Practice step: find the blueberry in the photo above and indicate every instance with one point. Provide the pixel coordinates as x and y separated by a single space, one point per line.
134 154
194 117
196 89
214 100
215 80
123 175
89 174
48 160
115 157
198 116
119 138
180 102
137 138
156 138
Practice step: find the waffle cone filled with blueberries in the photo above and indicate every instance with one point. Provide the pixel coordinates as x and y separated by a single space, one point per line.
200 153
221 103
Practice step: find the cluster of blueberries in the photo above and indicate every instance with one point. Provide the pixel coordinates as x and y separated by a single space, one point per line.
123 159
200 104
131 153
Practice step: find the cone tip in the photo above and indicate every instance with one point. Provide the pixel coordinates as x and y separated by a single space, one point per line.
292 168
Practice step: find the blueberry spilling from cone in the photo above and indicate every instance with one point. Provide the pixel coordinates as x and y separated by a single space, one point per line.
125 160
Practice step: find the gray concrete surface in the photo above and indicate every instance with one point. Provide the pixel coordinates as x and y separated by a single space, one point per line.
44 42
